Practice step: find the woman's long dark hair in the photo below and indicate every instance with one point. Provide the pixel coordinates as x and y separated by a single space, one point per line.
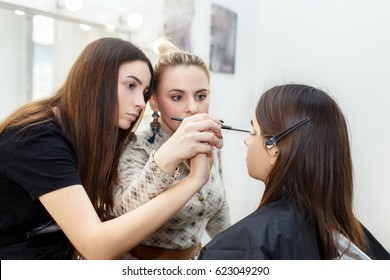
314 165
86 107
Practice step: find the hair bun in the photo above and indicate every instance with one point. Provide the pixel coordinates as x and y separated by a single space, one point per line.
167 47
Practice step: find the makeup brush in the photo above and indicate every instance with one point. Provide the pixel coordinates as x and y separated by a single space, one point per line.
223 126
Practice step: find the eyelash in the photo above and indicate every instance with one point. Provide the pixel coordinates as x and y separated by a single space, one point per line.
201 96
131 86
176 97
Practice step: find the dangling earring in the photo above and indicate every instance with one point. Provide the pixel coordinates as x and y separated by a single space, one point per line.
155 126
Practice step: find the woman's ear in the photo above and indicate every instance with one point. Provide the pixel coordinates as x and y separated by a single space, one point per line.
153 103
273 155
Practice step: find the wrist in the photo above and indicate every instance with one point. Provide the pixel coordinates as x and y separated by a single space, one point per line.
165 162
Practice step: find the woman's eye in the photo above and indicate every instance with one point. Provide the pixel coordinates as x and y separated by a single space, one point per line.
176 98
131 86
200 96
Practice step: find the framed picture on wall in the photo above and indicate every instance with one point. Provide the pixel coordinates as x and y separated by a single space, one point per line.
178 15
223 39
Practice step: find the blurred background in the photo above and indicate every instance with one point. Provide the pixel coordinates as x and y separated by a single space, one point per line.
340 46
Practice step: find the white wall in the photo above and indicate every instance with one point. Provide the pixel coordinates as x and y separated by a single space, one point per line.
231 101
343 47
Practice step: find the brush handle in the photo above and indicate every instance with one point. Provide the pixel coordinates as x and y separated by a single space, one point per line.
223 126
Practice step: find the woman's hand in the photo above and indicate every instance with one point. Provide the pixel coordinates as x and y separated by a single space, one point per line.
196 134
201 165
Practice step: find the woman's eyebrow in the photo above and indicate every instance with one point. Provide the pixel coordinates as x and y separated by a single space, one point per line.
135 78
202 90
176 90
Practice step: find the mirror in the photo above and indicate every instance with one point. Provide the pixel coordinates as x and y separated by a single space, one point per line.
37 51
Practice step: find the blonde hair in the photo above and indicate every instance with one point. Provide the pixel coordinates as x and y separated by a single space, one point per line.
171 56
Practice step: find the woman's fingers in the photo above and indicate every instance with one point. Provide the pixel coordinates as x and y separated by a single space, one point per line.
202 123
208 137
196 134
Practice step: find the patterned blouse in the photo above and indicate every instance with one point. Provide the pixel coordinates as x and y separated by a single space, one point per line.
142 180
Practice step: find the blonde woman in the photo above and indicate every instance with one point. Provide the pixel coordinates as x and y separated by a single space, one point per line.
158 159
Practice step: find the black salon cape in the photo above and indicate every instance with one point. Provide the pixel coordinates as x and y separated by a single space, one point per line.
277 231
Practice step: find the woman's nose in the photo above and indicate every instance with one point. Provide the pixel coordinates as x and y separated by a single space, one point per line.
140 100
192 108
245 140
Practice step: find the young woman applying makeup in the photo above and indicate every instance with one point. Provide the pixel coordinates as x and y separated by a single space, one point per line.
59 161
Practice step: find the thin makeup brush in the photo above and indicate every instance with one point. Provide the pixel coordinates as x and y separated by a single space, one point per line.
223 126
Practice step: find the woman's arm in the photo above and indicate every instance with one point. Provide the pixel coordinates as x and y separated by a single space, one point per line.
72 210
141 176
141 179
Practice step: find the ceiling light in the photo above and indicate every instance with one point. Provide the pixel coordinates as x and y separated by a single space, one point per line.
110 26
19 12
85 27
134 20
70 5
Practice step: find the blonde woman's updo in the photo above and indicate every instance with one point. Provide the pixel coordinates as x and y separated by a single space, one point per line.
170 56
166 48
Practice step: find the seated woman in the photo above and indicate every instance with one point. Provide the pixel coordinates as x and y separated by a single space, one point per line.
299 147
